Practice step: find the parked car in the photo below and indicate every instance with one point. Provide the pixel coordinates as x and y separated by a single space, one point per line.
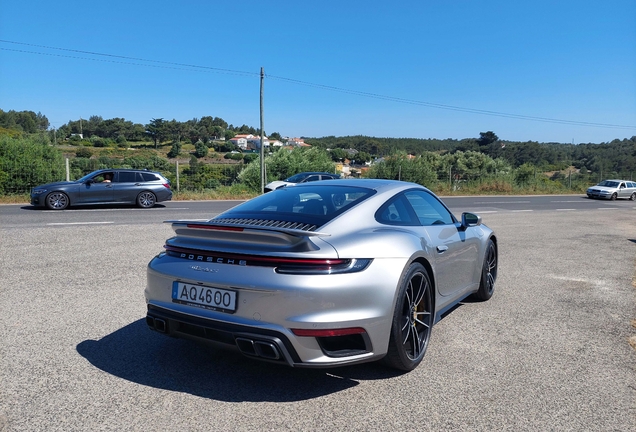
613 189
322 274
303 177
108 186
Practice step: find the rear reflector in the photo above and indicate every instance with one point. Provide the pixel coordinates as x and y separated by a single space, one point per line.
328 332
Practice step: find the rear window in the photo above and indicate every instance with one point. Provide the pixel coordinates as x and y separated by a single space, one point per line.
316 204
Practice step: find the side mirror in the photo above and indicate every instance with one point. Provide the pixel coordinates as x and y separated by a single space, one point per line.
89 181
470 219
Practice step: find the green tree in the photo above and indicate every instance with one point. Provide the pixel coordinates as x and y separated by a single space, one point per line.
524 174
156 130
286 163
175 150
200 149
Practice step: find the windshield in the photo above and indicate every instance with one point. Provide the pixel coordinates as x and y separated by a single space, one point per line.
297 178
86 177
608 183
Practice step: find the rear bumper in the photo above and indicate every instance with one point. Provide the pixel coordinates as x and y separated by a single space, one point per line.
257 343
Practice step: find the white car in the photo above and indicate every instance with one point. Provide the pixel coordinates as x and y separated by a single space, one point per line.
613 189
304 177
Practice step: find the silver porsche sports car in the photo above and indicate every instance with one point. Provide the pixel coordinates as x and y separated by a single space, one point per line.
322 274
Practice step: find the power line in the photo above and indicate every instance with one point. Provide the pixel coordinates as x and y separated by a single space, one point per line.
191 67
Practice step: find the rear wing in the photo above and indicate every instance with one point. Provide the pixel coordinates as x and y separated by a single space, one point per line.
289 236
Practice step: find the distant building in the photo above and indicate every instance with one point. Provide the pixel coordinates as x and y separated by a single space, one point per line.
297 142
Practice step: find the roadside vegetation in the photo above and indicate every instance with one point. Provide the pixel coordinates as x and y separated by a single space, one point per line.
202 163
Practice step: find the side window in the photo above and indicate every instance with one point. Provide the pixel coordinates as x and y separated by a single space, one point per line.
127 177
429 210
396 212
311 178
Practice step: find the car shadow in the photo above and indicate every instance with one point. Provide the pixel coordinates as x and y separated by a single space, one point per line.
139 355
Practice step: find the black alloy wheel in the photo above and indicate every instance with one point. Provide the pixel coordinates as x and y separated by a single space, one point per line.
412 320
488 273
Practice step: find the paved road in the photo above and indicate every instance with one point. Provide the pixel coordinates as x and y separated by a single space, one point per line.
549 351
20 216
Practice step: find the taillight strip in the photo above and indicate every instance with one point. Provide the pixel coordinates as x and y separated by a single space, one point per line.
273 261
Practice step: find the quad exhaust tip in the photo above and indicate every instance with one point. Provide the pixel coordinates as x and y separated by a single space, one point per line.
256 348
156 324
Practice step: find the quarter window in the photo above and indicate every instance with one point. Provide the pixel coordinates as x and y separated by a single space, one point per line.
429 210
149 177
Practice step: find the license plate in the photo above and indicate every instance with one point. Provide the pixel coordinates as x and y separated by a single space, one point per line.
204 296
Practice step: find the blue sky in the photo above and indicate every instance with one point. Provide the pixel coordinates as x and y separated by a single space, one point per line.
546 71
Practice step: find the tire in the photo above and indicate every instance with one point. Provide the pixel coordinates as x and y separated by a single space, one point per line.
632 197
146 199
488 273
412 320
613 197
57 201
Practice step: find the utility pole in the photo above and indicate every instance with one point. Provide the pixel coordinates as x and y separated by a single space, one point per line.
262 151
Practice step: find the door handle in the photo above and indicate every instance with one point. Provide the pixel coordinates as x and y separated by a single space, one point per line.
442 249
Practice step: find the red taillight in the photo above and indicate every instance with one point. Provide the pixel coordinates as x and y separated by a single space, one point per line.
166 185
328 332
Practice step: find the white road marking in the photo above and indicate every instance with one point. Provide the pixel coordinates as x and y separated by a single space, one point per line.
79 223
501 202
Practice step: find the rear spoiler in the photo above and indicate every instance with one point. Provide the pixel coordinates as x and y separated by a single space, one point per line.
236 234
213 225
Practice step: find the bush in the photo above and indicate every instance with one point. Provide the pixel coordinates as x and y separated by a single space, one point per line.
233 156
249 157
200 149
175 150
27 162
83 152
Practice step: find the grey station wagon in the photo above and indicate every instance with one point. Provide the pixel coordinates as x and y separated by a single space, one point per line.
613 189
108 186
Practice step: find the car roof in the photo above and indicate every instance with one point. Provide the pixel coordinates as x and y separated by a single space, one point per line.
126 169
376 184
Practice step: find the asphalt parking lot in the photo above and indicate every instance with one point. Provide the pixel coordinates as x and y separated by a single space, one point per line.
550 351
